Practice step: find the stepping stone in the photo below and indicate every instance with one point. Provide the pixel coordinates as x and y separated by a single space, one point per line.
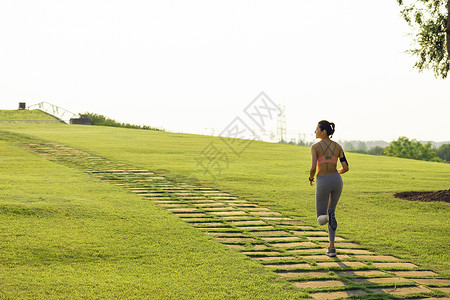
214 227
229 213
292 222
311 233
240 204
295 244
264 213
257 209
414 273
394 265
208 204
339 245
292 227
259 247
276 219
270 258
381 280
361 273
197 220
353 251
239 218
172 205
322 238
304 274
341 294
231 200
199 201
376 257
281 238
212 224
341 264
260 253
319 284
223 208
273 232
432 281
232 240
252 222
289 266
321 257
187 209
316 250
183 194
255 227
224 233
289 222
191 215
402 290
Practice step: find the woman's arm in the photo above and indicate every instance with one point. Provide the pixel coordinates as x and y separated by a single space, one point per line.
344 162
312 171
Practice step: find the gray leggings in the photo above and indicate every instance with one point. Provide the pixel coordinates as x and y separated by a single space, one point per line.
328 191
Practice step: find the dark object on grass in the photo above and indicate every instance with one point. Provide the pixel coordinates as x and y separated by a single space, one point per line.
81 121
443 195
22 105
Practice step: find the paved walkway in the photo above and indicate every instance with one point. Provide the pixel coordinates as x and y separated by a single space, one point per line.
289 247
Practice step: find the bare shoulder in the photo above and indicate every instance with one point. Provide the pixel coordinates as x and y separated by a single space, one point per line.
339 148
315 146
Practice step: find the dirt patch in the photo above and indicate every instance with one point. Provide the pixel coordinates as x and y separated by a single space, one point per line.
443 195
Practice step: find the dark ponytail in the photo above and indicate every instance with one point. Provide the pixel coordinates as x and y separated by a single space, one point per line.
329 127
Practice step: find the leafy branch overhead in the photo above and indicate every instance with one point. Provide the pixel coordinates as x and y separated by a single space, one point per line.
429 20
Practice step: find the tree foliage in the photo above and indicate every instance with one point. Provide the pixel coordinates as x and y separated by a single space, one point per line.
429 20
405 148
443 152
101 120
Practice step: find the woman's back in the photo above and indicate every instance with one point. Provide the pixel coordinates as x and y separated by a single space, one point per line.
328 153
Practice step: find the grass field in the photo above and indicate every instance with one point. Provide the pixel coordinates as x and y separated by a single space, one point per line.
84 216
24 115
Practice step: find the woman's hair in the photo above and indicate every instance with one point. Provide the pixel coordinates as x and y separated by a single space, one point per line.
329 127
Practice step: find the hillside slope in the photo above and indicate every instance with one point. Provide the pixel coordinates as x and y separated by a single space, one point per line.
275 175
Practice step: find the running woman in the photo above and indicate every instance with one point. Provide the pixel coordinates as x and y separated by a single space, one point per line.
325 154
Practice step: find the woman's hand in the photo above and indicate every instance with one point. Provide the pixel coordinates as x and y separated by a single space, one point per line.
311 182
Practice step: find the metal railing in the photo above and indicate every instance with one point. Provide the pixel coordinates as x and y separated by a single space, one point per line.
56 111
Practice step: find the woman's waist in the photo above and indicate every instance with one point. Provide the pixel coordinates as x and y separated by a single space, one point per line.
328 173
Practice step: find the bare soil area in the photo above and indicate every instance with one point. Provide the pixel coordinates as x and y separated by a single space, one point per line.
443 195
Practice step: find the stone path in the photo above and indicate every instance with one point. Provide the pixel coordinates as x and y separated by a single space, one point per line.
289 247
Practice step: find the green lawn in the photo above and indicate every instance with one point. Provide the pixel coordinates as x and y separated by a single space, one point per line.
24 115
274 175
64 235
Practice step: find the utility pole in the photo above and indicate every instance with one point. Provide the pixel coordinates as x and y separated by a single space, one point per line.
281 123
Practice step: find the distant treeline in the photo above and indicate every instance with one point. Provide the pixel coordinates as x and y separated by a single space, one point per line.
403 147
101 120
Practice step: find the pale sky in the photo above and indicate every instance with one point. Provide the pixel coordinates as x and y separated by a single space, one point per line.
191 65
